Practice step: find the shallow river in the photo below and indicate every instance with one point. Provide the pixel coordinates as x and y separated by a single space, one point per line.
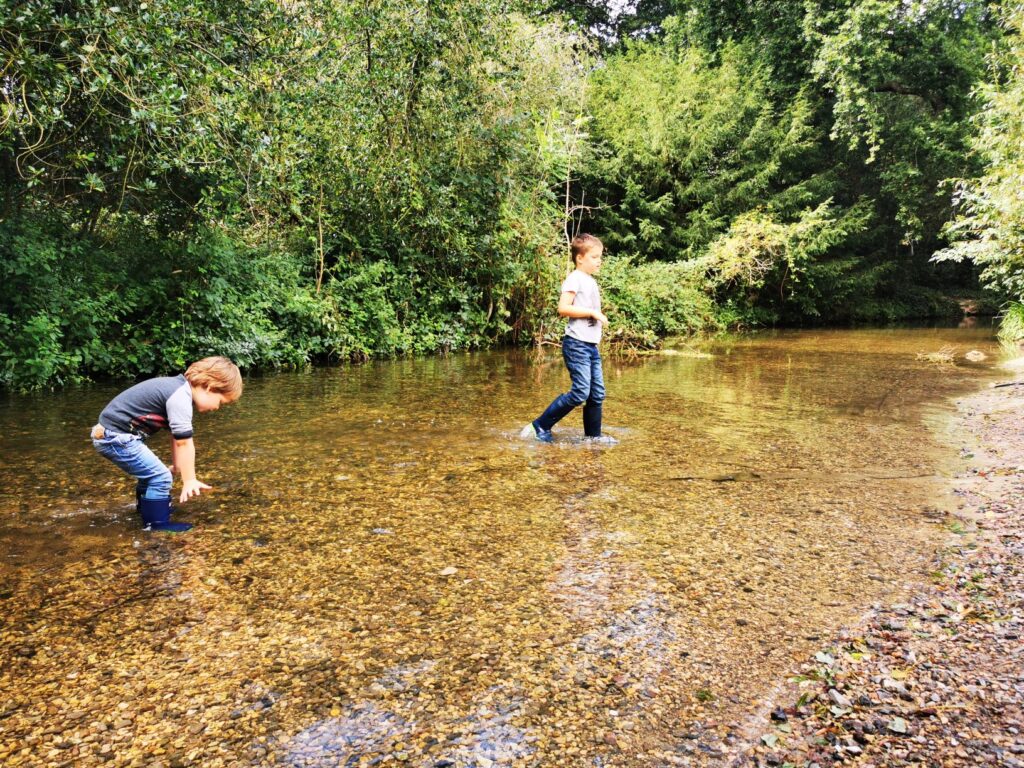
386 573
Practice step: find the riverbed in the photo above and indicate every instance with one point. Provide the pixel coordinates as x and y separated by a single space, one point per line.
386 573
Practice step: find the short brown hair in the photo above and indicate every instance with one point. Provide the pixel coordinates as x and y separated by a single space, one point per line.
581 244
217 374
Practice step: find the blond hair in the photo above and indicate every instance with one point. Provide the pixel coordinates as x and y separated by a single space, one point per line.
217 374
582 244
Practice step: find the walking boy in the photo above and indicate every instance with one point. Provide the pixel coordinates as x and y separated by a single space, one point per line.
148 407
581 303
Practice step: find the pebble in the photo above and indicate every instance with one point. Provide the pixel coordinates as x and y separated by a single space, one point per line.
838 699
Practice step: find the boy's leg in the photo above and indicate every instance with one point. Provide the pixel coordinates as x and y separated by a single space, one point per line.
592 408
133 456
576 355
153 492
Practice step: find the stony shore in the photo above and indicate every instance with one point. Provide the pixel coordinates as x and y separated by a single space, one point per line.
936 680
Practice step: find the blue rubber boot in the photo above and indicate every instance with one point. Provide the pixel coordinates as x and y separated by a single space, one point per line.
156 516
592 419
553 414
544 435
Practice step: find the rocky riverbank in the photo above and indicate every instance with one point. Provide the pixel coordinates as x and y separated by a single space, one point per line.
936 680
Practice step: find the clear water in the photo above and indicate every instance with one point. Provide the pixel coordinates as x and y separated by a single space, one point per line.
610 605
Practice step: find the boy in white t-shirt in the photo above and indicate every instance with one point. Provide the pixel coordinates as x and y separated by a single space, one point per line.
581 303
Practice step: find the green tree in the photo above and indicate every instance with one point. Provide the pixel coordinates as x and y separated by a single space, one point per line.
684 145
128 108
742 107
900 75
990 228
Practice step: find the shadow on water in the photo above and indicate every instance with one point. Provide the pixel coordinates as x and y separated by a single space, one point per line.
386 572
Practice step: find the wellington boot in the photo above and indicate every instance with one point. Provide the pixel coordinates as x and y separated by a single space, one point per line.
592 419
156 516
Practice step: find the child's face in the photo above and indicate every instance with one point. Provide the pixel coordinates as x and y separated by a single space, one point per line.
206 400
590 261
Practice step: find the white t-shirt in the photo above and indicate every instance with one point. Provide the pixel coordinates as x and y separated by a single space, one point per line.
588 295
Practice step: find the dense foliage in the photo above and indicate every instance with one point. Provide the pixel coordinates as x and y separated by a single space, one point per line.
277 182
990 230
743 119
296 182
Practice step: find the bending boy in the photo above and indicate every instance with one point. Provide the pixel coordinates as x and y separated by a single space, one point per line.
580 301
148 407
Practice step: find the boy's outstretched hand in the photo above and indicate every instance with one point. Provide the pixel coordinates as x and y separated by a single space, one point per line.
600 317
193 488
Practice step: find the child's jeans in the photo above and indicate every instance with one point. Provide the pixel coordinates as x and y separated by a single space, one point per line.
584 363
131 454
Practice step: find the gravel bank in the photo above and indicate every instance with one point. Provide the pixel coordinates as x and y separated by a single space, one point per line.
937 680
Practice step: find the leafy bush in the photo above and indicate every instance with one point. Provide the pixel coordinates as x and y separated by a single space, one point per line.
661 298
1011 328
74 306
53 316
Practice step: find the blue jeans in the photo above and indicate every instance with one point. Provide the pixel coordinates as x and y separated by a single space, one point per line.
131 454
584 363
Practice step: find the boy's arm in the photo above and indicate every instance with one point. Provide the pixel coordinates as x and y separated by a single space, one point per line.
185 461
566 309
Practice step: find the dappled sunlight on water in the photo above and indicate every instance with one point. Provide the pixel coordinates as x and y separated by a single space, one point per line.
385 570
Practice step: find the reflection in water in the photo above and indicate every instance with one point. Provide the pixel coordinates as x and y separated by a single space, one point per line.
385 572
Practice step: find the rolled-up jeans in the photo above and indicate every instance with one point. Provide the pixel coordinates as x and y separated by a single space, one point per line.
131 454
584 363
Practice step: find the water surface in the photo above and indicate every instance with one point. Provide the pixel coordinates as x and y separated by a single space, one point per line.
386 573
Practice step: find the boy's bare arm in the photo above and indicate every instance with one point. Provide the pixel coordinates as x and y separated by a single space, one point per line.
174 456
566 309
185 461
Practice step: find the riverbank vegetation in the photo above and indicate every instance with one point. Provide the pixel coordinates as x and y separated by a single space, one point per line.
289 183
990 228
